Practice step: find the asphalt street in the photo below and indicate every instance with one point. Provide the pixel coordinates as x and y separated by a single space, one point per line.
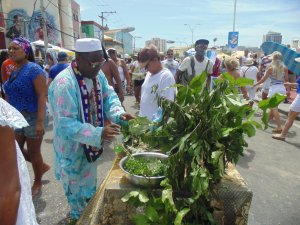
270 167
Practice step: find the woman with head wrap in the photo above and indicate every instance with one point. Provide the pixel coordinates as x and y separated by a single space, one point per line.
26 90
51 60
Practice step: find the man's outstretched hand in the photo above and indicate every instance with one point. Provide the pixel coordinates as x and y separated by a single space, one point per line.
126 117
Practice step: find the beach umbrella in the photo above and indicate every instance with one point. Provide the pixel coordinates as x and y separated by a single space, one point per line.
288 55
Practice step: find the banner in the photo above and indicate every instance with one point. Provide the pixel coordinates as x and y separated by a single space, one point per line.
212 55
233 40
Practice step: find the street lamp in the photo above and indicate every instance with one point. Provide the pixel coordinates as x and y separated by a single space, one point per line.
134 37
192 30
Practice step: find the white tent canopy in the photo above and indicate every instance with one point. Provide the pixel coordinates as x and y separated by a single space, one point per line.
56 48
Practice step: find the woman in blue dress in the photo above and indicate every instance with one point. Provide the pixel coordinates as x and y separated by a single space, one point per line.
26 91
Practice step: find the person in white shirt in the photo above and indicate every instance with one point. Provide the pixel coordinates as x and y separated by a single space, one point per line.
250 71
202 63
157 81
170 62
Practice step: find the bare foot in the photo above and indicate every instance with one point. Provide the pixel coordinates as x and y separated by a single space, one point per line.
36 188
46 167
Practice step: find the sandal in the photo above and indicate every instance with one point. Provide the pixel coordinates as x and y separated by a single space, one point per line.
278 137
277 130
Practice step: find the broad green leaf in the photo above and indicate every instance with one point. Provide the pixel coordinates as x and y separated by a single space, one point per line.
151 213
272 102
143 197
129 195
226 131
216 156
249 129
167 195
256 124
242 82
183 141
140 219
180 215
198 81
234 101
229 78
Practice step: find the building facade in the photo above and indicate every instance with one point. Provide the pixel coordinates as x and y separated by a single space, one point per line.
91 29
76 20
273 36
25 18
122 36
160 44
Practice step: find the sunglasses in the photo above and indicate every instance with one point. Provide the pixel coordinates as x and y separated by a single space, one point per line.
170 53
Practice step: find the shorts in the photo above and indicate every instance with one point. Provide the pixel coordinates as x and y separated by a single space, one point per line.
295 106
138 83
276 88
251 92
266 85
123 88
31 118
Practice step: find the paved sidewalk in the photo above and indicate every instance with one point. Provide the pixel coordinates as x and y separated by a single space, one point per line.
283 108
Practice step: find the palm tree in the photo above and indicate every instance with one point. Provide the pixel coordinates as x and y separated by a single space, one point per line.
214 40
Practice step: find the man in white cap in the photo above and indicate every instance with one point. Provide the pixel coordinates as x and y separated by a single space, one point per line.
80 98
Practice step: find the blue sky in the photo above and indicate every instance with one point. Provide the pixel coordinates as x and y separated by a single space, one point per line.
207 18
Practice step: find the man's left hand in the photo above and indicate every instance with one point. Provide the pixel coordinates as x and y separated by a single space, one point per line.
126 116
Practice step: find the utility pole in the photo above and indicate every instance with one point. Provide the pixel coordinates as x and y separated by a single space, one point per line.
102 18
234 15
44 23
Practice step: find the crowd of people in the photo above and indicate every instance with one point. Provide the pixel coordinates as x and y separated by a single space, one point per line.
85 99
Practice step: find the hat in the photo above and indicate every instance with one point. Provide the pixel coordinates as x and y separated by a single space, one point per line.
297 59
249 62
88 45
61 56
111 49
202 41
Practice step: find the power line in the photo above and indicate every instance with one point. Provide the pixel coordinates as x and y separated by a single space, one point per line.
60 9
32 12
62 32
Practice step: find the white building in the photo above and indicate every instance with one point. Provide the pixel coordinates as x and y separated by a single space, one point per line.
160 44
273 36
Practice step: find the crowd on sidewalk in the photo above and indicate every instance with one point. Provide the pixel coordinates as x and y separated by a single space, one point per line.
85 98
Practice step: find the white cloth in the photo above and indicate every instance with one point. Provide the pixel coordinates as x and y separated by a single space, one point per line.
251 92
199 66
9 116
295 106
160 80
251 73
172 65
276 88
138 73
88 45
121 74
266 85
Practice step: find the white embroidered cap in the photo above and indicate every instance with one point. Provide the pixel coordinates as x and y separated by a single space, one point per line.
88 45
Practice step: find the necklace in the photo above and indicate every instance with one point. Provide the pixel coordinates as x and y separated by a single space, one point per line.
92 153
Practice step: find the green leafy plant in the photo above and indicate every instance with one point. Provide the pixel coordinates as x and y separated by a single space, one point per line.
201 131
145 167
